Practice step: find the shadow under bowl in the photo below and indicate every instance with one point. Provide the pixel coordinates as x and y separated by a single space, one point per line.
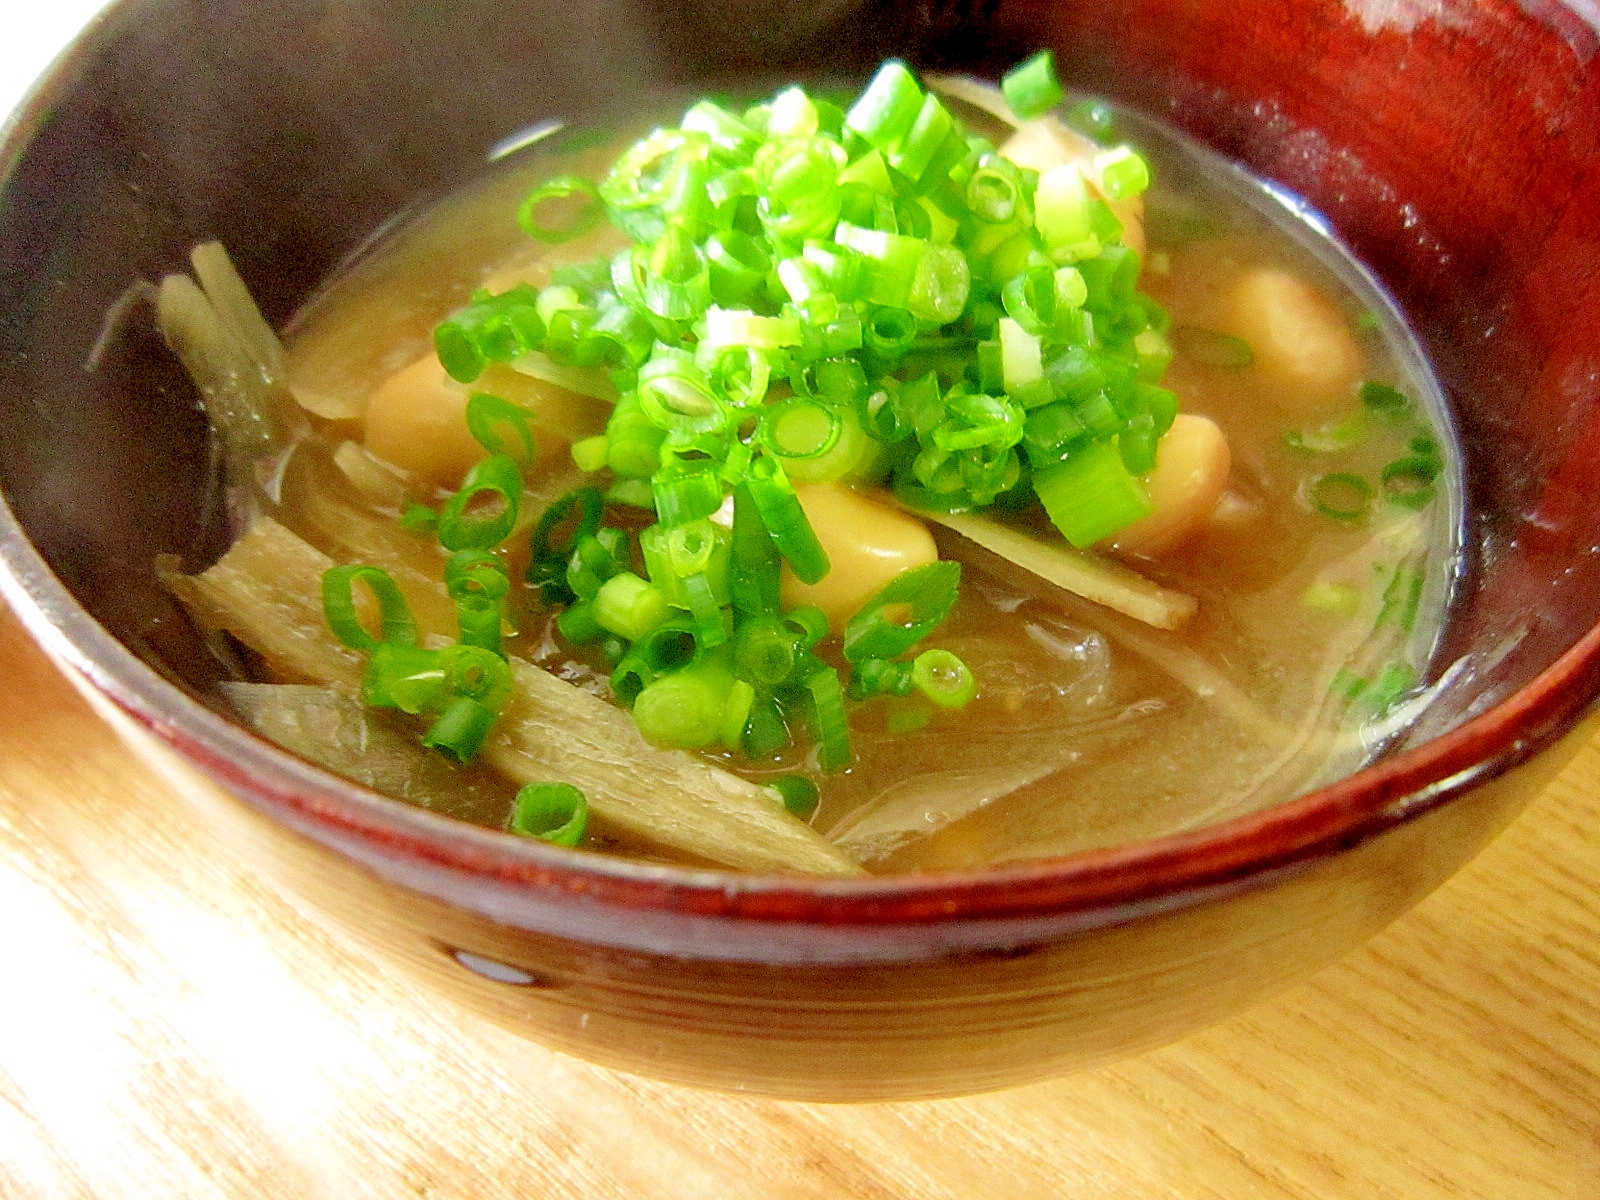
1452 146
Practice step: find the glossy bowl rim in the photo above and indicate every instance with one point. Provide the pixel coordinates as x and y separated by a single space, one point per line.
1120 879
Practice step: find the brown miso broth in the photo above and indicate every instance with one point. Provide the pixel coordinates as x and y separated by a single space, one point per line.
1313 636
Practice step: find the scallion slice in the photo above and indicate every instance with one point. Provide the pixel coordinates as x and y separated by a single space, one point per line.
551 812
552 193
903 612
1341 495
943 678
483 513
396 624
1031 87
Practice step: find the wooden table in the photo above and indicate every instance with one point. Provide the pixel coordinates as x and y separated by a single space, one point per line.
169 1027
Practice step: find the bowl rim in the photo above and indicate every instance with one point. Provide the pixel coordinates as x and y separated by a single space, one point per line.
1112 882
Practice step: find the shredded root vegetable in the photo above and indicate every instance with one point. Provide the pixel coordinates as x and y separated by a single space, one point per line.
1080 572
336 731
236 308
266 591
236 363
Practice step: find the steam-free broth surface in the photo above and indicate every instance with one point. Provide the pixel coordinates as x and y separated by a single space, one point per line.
1321 585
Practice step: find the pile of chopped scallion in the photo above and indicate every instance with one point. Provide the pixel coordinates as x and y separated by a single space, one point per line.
871 295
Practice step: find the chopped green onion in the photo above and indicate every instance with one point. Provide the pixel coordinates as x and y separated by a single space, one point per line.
633 439
736 710
1062 214
418 518
1155 354
1401 599
689 563
579 624
902 612
686 493
944 679
785 521
754 577
490 329
1381 397
555 191
1339 599
1409 482
995 190
809 623
792 114
722 127
684 709
487 415
799 794
579 514
670 646
589 454
764 652
890 262
1031 88
1091 495
940 286
409 678
738 265
833 729
629 606
739 375
678 283
396 624
675 394
477 674
1342 496
890 332
552 812
633 493
478 683
925 141
461 729
484 512
1391 685
1120 173
878 677
1021 360
740 327
766 730
800 428
888 107
477 582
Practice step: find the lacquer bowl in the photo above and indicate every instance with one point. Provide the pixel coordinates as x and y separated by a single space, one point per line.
1452 145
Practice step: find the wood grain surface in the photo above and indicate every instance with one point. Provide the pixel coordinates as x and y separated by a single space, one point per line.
170 1027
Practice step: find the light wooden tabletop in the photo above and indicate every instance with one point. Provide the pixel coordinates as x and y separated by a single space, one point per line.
170 1027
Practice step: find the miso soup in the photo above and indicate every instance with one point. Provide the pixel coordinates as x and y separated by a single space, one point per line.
944 489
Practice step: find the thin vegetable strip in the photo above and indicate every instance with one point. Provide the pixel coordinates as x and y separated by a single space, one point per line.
266 591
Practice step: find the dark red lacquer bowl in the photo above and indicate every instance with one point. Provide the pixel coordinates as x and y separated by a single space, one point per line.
1452 144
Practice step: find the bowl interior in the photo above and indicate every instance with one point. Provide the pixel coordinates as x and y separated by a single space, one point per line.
1454 152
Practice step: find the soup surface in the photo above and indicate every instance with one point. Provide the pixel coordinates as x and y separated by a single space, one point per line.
1269 620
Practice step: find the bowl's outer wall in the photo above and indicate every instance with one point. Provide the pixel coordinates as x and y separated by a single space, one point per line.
1024 1007
1455 152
